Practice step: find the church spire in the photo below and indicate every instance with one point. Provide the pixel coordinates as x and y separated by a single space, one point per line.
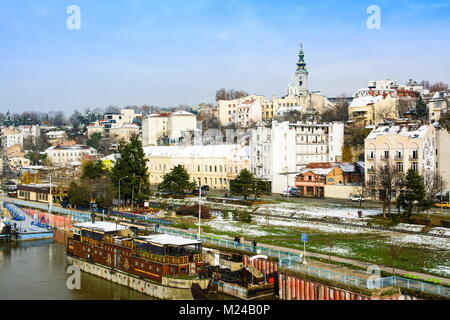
301 65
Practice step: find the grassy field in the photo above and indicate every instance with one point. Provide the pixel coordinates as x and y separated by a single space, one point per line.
369 247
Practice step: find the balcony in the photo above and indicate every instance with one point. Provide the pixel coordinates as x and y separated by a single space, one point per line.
384 158
413 158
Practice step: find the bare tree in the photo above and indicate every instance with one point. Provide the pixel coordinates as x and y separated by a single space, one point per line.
339 112
438 86
387 179
405 105
231 94
434 184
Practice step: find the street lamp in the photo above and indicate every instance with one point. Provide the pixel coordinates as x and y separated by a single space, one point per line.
119 188
199 211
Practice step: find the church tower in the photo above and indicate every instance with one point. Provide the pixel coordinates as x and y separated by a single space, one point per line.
299 84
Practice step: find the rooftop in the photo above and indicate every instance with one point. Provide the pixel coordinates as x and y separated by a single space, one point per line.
100 225
209 151
412 132
166 239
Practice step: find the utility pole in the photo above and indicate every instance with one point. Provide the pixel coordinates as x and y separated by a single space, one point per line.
50 200
119 188
199 211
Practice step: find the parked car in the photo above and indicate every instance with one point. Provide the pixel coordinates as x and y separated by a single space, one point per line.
196 192
444 204
205 188
286 194
356 198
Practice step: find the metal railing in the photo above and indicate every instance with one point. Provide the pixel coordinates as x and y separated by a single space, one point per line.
76 215
141 217
274 253
369 283
16 213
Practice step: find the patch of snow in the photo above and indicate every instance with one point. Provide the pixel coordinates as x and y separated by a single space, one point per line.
443 270
237 227
408 227
426 241
323 227
440 231
345 214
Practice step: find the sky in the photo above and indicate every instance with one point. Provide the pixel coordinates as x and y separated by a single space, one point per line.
172 52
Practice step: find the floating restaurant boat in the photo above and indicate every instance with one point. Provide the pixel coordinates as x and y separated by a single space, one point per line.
159 265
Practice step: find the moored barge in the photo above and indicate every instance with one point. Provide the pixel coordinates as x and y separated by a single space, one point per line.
159 265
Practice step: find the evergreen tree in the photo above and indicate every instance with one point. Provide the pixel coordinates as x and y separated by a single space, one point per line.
131 171
246 184
92 170
413 193
79 194
177 181
421 109
243 184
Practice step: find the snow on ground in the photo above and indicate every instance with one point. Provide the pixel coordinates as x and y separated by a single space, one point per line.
422 240
408 227
443 270
336 250
440 231
323 227
239 228
299 210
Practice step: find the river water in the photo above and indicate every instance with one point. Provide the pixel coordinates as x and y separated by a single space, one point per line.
37 270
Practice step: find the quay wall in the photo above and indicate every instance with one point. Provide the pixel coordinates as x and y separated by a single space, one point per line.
149 288
292 287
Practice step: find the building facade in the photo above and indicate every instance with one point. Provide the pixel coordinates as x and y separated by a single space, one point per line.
381 101
405 145
11 136
281 151
213 165
438 105
124 132
171 126
68 156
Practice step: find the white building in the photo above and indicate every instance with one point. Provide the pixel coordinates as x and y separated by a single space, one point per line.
167 125
438 105
124 131
280 152
11 136
67 156
31 131
119 118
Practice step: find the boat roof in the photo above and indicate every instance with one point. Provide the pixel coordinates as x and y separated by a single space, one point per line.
100 226
166 239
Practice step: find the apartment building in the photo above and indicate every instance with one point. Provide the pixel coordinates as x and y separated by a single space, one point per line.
281 151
